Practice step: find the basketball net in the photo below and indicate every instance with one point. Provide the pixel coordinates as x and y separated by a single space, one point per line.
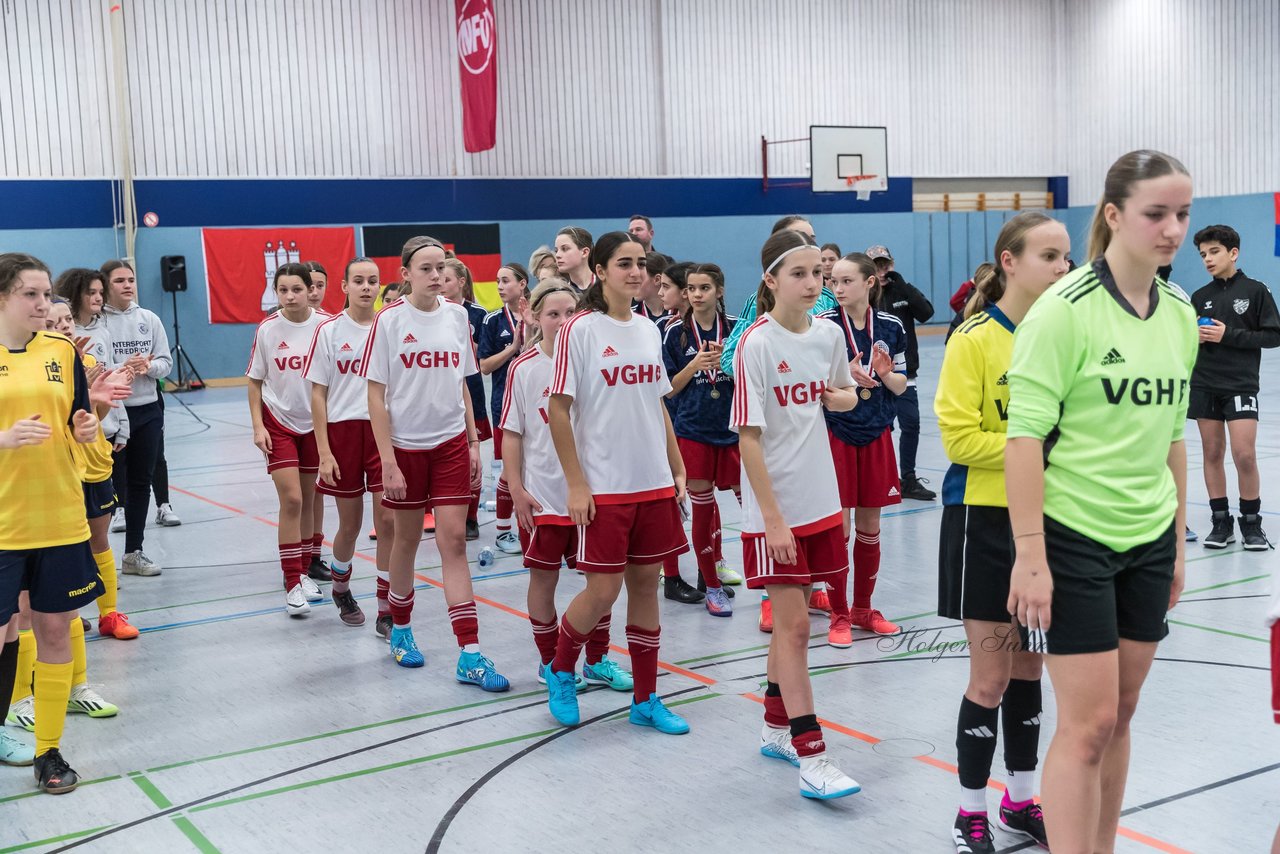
862 185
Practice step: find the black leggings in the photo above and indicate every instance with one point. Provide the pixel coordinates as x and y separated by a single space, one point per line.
135 469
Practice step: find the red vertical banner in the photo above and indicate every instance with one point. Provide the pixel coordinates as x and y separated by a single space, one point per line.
478 67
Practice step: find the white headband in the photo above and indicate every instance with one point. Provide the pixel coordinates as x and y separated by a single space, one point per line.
778 260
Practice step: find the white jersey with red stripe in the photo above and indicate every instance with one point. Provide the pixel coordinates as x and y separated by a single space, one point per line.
423 358
524 411
279 359
779 377
334 361
613 371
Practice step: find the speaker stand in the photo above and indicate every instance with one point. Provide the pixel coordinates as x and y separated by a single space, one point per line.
189 378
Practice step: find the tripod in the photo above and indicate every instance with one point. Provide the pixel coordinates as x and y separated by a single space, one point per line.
189 378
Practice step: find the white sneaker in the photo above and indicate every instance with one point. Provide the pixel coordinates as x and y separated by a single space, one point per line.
167 516
310 589
137 563
22 714
508 543
86 701
776 744
295 602
117 521
727 575
821 780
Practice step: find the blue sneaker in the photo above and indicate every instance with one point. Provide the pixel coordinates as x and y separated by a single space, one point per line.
652 713
14 751
403 649
475 669
544 670
562 698
607 672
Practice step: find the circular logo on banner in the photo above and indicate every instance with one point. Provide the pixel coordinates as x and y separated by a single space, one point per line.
150 219
475 35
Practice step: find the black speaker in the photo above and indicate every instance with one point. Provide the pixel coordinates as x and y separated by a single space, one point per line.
173 273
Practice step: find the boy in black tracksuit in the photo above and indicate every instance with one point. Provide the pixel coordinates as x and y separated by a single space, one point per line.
1238 318
901 299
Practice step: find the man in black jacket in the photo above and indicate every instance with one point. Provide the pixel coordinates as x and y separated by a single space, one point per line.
1238 318
901 299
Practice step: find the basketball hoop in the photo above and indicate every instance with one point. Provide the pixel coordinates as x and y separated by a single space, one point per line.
862 185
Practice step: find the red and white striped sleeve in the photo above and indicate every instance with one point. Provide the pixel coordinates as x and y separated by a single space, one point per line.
749 379
319 367
257 368
564 379
375 365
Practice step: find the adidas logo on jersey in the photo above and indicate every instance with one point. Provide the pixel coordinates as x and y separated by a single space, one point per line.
784 368
1004 379
691 351
608 351
409 339
346 348
1113 357
284 345
504 334
893 492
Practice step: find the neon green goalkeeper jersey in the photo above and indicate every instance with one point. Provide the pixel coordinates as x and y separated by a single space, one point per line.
1106 391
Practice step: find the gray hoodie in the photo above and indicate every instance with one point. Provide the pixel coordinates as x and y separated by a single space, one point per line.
115 426
136 330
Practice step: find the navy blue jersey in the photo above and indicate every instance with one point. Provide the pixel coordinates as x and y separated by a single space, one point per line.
662 323
697 415
641 309
866 421
475 382
496 335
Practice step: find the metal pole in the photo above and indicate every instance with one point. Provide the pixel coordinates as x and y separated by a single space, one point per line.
128 205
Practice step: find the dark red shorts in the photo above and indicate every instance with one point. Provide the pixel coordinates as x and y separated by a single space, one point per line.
820 556
867 474
641 533
483 431
438 477
289 450
720 464
356 454
549 545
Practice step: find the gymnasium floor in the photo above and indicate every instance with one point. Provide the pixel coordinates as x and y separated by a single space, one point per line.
243 730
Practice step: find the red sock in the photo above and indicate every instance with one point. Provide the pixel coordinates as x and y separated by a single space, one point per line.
317 545
598 641
642 645
809 743
716 532
671 566
704 504
290 557
401 608
544 637
384 589
838 589
775 713
505 507
568 647
466 625
866 566
473 509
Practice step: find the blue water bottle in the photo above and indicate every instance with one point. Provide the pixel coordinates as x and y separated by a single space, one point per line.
485 559
1205 321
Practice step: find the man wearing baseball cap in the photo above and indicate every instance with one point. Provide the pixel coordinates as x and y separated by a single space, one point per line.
901 299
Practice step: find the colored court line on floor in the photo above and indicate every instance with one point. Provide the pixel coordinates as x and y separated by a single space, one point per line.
1154 843
54 840
184 824
1225 584
813 636
1220 631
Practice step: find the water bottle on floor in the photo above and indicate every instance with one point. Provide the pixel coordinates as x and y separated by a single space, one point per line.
485 559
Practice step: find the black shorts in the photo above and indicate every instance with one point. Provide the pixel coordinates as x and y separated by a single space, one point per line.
99 499
1101 595
1211 406
975 560
57 578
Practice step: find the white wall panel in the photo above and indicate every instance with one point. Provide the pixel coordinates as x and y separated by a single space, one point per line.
624 88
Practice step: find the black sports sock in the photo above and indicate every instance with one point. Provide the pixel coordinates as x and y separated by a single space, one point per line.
1249 506
976 743
8 671
1020 709
771 689
803 724
1219 505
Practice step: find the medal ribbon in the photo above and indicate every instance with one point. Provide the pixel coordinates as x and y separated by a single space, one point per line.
871 334
713 374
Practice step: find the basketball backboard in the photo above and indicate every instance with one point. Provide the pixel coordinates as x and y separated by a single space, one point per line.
847 159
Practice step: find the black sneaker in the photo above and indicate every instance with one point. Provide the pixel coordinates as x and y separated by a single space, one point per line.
1223 533
914 488
382 626
1029 821
319 570
53 774
348 611
681 591
473 529
972 834
1251 533
702 587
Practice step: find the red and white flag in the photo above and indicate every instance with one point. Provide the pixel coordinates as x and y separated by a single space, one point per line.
478 66
241 263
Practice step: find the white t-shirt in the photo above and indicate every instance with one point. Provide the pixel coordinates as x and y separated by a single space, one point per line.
334 361
779 377
422 357
524 411
613 371
279 358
